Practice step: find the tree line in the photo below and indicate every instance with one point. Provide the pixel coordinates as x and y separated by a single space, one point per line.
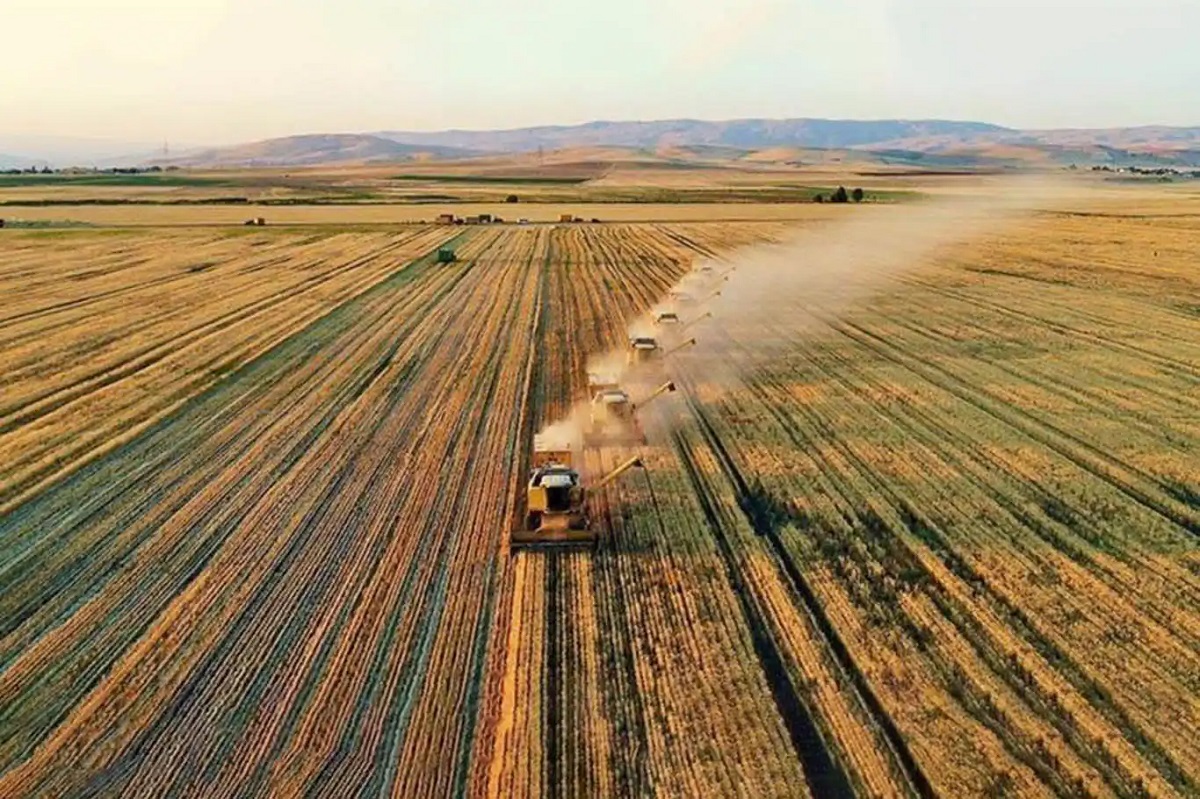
841 196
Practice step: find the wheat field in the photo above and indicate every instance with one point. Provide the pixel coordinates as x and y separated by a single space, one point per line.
256 488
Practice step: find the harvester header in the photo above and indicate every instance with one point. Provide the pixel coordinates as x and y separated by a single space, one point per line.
556 510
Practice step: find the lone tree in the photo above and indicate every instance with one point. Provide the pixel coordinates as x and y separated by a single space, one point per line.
840 196
820 198
512 198
857 195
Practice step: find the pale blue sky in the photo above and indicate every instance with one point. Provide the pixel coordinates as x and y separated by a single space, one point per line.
218 71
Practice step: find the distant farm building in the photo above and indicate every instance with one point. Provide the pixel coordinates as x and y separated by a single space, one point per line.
445 219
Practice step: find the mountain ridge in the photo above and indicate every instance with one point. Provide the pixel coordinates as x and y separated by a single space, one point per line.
310 149
883 140
756 132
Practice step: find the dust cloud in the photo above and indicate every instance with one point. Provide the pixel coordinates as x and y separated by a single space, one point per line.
773 296
565 433
761 301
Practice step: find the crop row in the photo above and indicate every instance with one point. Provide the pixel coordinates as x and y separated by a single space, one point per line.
131 345
944 543
970 547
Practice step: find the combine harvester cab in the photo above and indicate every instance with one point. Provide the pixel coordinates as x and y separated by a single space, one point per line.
611 421
642 349
556 515
645 349
667 319
613 418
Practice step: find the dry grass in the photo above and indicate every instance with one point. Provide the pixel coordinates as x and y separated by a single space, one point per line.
943 541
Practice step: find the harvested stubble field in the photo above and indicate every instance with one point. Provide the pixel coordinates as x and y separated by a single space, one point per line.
257 486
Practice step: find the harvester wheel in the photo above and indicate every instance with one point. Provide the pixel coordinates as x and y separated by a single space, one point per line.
533 520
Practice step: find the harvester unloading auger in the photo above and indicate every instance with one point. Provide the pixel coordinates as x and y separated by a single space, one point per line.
643 349
556 515
612 418
691 342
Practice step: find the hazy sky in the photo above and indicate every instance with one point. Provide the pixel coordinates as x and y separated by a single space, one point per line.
220 71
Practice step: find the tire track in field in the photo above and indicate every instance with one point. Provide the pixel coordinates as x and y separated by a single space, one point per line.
1021 624
913 777
352 515
121 291
982 468
1068 387
316 331
89 445
1128 479
35 407
1188 369
981 640
328 324
822 772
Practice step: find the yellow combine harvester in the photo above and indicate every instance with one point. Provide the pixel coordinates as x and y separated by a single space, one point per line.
667 318
556 513
643 349
612 419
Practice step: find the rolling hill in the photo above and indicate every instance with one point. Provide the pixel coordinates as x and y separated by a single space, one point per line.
312 149
1146 146
739 133
918 143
